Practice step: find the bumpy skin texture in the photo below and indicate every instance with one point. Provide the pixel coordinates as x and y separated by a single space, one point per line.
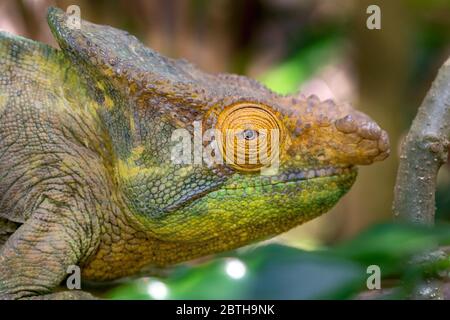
86 176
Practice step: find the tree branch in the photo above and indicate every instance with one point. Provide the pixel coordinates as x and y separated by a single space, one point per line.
423 152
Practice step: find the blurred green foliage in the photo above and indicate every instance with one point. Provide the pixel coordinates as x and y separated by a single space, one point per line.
280 272
316 50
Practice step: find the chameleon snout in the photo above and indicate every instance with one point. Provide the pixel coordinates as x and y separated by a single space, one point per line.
329 133
363 140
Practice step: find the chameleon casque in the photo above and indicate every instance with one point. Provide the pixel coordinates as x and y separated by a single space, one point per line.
86 176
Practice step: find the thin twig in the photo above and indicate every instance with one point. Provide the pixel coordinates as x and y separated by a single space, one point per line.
423 152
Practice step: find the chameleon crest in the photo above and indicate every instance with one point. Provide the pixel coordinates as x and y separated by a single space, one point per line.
88 175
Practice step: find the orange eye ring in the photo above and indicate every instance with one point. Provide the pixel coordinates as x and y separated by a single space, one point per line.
251 136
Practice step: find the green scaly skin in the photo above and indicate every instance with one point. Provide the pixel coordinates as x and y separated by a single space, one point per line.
86 176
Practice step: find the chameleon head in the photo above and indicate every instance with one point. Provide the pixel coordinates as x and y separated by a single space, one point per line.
278 160
276 164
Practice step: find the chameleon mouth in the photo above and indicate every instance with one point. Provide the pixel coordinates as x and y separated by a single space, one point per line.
314 173
286 178
297 175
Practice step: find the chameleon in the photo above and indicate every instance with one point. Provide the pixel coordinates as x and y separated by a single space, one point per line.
88 177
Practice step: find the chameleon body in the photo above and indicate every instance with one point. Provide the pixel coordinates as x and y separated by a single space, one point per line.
86 172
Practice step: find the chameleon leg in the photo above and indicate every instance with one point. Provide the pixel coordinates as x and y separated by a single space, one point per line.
35 258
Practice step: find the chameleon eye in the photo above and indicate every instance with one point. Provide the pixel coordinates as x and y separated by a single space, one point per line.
249 134
248 131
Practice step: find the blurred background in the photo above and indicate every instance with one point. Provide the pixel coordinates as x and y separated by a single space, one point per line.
321 47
